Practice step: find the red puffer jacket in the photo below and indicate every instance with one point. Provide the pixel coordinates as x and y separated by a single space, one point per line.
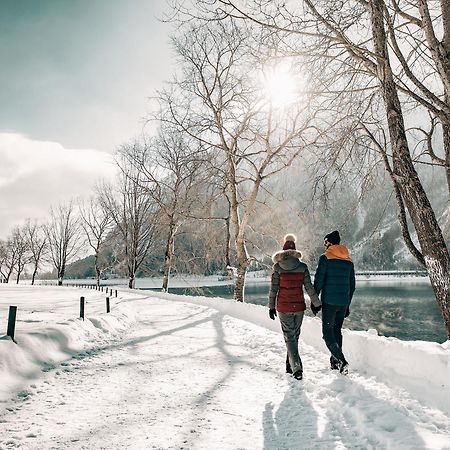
289 277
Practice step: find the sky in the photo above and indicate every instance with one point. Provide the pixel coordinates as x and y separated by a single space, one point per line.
182 372
76 76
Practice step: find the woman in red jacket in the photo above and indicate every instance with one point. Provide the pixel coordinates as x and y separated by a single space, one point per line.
289 277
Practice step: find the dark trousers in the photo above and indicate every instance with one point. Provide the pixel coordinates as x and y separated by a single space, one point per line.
332 320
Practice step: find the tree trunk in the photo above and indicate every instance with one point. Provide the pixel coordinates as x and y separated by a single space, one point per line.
33 277
241 272
239 286
228 240
168 256
241 251
61 276
434 249
131 280
97 269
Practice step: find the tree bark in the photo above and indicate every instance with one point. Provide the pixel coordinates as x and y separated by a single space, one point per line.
434 249
239 287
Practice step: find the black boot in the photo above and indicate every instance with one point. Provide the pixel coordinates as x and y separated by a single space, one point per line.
334 363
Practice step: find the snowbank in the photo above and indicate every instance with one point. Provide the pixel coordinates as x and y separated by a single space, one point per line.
49 330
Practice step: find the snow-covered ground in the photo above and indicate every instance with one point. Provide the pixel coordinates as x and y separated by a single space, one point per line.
174 372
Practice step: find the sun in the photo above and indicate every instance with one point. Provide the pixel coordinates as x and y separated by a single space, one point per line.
280 84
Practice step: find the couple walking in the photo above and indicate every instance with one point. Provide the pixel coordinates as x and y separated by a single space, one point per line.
334 281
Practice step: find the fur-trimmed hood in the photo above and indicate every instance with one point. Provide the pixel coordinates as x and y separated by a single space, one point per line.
284 254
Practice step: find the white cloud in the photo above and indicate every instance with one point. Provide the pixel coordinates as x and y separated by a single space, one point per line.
35 175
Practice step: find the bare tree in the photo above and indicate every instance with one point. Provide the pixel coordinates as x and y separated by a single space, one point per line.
174 176
37 244
8 259
97 224
220 103
64 237
20 248
134 214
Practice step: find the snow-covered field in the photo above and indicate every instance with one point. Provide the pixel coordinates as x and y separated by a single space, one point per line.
176 372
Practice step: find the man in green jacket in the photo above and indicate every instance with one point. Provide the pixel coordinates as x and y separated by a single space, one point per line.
335 282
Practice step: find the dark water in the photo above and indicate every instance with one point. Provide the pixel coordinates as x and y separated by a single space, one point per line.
405 311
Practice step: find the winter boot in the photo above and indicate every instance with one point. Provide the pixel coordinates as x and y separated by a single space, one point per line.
343 367
334 363
298 374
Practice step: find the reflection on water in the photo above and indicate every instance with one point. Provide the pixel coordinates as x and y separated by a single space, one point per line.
405 311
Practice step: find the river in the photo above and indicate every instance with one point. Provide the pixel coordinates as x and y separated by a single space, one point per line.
405 310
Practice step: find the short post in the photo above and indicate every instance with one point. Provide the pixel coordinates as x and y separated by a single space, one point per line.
116 292
107 290
82 308
101 288
108 309
12 321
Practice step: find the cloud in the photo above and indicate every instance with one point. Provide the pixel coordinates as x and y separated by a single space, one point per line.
35 175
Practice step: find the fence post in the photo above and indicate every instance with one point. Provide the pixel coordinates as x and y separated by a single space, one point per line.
116 292
107 290
12 321
82 308
108 309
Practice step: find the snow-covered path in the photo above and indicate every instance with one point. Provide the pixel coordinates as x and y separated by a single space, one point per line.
189 377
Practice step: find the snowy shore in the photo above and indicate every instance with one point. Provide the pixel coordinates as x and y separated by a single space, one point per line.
179 349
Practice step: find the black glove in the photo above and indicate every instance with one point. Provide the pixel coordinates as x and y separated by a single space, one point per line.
347 312
272 313
315 309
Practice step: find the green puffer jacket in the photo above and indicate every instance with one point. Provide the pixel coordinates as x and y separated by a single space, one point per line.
335 276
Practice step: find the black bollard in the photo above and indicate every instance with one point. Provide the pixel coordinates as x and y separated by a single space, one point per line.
12 321
108 309
82 308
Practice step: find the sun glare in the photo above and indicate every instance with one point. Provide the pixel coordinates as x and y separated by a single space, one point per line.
280 84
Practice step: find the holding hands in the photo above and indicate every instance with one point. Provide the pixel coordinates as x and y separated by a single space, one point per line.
315 309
